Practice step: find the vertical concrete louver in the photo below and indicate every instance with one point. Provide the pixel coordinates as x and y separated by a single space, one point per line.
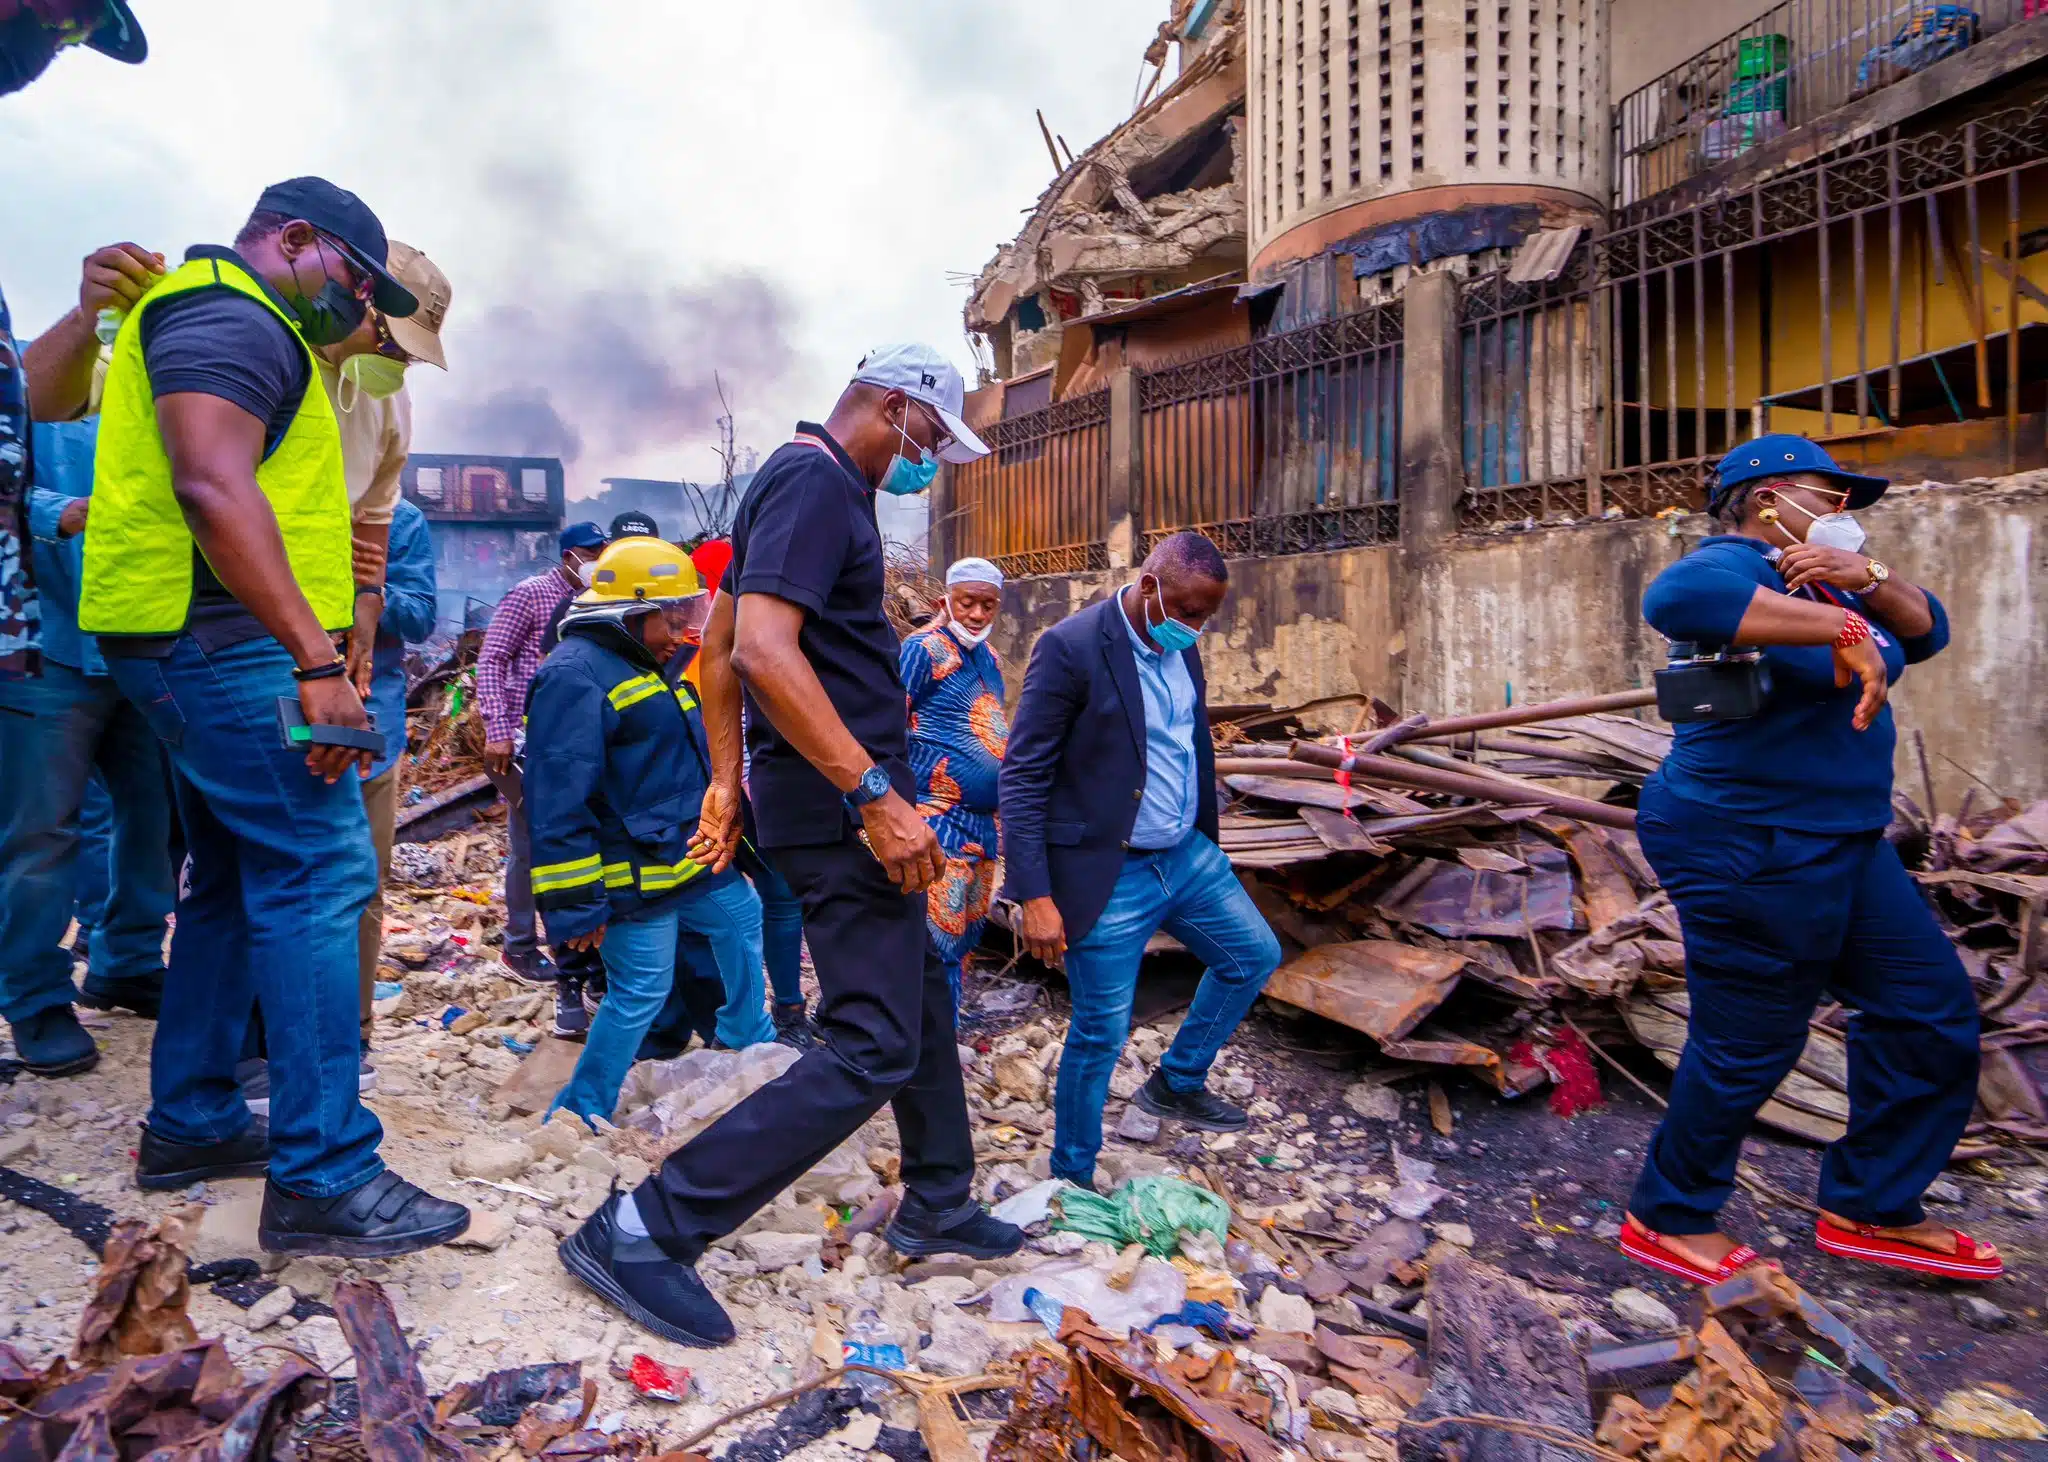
1364 112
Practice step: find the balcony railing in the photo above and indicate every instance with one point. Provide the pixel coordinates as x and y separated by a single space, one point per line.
1799 61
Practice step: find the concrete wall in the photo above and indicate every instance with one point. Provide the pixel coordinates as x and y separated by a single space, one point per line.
1646 38
1554 613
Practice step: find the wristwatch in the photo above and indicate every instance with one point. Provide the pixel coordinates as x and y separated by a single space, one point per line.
873 786
1879 574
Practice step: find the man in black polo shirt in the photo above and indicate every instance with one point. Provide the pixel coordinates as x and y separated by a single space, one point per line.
799 622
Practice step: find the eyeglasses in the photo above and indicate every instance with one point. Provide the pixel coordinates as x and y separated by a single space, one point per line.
1780 484
941 438
362 283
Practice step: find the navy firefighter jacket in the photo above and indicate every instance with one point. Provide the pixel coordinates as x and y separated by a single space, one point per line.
616 769
1799 763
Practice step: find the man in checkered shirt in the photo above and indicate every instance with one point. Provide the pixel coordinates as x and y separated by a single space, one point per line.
513 646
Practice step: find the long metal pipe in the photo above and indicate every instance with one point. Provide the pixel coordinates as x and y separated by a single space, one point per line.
1458 784
1586 705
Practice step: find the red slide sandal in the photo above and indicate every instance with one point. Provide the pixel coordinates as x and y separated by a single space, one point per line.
1647 1248
1865 1242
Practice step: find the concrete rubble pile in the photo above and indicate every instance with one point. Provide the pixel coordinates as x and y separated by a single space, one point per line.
1470 893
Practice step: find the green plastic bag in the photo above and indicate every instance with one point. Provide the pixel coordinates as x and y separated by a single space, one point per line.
1148 1211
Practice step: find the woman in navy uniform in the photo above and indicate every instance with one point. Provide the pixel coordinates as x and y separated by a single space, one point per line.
1768 833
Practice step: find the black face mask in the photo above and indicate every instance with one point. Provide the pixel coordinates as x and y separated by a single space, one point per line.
26 50
330 316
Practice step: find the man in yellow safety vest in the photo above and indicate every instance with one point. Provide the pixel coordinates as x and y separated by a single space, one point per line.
217 575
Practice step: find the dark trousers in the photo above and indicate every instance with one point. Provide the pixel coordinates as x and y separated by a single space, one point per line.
887 1016
1773 920
519 937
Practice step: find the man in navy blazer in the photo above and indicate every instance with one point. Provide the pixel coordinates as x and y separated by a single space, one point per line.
1108 803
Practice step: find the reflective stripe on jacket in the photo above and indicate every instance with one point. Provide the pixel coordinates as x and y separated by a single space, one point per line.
616 769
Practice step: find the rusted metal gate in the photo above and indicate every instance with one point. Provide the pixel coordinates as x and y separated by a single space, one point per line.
1038 503
1287 445
1881 293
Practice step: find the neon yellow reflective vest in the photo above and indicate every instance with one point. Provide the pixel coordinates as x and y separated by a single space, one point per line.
138 550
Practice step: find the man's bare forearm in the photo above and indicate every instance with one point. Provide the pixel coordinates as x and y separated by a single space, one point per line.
771 663
59 364
721 687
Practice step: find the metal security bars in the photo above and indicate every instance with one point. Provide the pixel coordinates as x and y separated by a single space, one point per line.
1892 299
1038 503
1287 445
1798 61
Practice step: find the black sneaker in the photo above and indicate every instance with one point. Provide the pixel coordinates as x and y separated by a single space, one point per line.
635 1276
531 966
1200 1108
141 994
793 1026
380 1219
161 1164
254 1076
52 1043
970 1229
572 1021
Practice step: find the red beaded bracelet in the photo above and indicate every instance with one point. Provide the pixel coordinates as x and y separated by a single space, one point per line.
1855 630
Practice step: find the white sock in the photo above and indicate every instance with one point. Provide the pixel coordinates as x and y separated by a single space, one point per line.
629 1220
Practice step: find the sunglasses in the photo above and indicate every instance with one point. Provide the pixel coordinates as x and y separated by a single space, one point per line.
362 283
941 438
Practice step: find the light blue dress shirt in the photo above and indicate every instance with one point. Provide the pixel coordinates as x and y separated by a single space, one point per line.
1166 812
64 460
408 618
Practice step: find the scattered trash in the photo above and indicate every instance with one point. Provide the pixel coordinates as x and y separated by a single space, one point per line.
1156 1288
1031 1205
1149 1211
656 1381
1981 1413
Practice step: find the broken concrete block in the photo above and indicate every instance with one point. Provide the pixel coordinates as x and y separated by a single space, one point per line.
1137 1125
961 1345
594 1159
495 1162
17 1147
779 1251
489 1228
1291 1313
1371 1100
271 1308
1980 1314
1020 1078
563 1137
1455 1233
1642 1311
308 1277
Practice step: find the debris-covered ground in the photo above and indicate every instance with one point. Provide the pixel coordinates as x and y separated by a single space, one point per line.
1418 1227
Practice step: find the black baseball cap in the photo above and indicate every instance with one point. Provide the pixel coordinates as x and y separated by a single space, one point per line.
635 524
346 222
120 37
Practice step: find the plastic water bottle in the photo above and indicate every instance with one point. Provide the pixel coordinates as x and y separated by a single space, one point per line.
1049 1309
868 1343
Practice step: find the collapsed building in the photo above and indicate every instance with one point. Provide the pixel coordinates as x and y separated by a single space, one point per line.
1436 316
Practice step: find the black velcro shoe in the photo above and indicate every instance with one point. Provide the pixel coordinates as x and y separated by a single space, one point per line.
1200 1108
635 1276
918 1233
143 995
52 1043
161 1164
380 1219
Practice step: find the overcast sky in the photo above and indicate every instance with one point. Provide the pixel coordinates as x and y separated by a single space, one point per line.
626 196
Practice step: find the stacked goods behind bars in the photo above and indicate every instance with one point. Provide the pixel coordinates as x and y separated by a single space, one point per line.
1469 892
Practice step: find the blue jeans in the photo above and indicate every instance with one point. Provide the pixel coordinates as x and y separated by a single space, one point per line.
782 928
1191 892
718 926
54 734
94 879
1773 920
281 869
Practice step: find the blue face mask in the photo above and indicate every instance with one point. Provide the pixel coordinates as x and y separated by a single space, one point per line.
1169 633
905 477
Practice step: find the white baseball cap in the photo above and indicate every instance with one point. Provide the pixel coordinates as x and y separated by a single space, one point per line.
922 374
